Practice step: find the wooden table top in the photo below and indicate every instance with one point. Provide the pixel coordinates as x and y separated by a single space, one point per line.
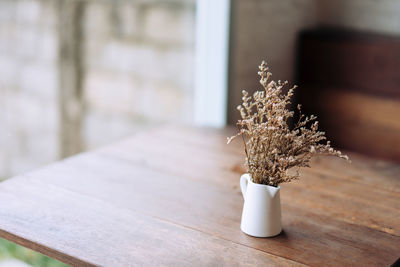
171 197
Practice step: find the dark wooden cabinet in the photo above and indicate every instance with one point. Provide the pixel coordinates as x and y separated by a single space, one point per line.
351 80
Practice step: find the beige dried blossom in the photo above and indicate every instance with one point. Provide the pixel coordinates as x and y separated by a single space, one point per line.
273 147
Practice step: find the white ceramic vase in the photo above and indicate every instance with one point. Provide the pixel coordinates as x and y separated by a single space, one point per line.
261 215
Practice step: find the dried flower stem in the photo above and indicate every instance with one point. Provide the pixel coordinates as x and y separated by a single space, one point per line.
272 148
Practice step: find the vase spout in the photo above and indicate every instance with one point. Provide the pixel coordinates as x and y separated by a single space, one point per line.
272 191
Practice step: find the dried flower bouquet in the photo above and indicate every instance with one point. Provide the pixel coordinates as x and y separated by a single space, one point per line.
273 147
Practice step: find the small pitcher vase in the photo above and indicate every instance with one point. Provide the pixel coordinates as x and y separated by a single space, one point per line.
261 216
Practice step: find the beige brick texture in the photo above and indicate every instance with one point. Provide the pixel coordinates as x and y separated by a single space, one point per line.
137 68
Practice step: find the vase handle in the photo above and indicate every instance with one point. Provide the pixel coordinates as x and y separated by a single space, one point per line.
244 179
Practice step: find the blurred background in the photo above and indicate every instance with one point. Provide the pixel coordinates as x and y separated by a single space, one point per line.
77 74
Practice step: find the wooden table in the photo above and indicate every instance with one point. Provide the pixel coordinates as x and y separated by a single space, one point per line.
171 197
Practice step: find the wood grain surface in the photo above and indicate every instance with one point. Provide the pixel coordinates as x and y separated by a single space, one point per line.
170 196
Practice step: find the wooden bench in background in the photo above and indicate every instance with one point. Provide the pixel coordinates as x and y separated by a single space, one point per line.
171 197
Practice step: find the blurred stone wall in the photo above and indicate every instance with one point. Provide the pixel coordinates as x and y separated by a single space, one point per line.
139 58
135 65
28 85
